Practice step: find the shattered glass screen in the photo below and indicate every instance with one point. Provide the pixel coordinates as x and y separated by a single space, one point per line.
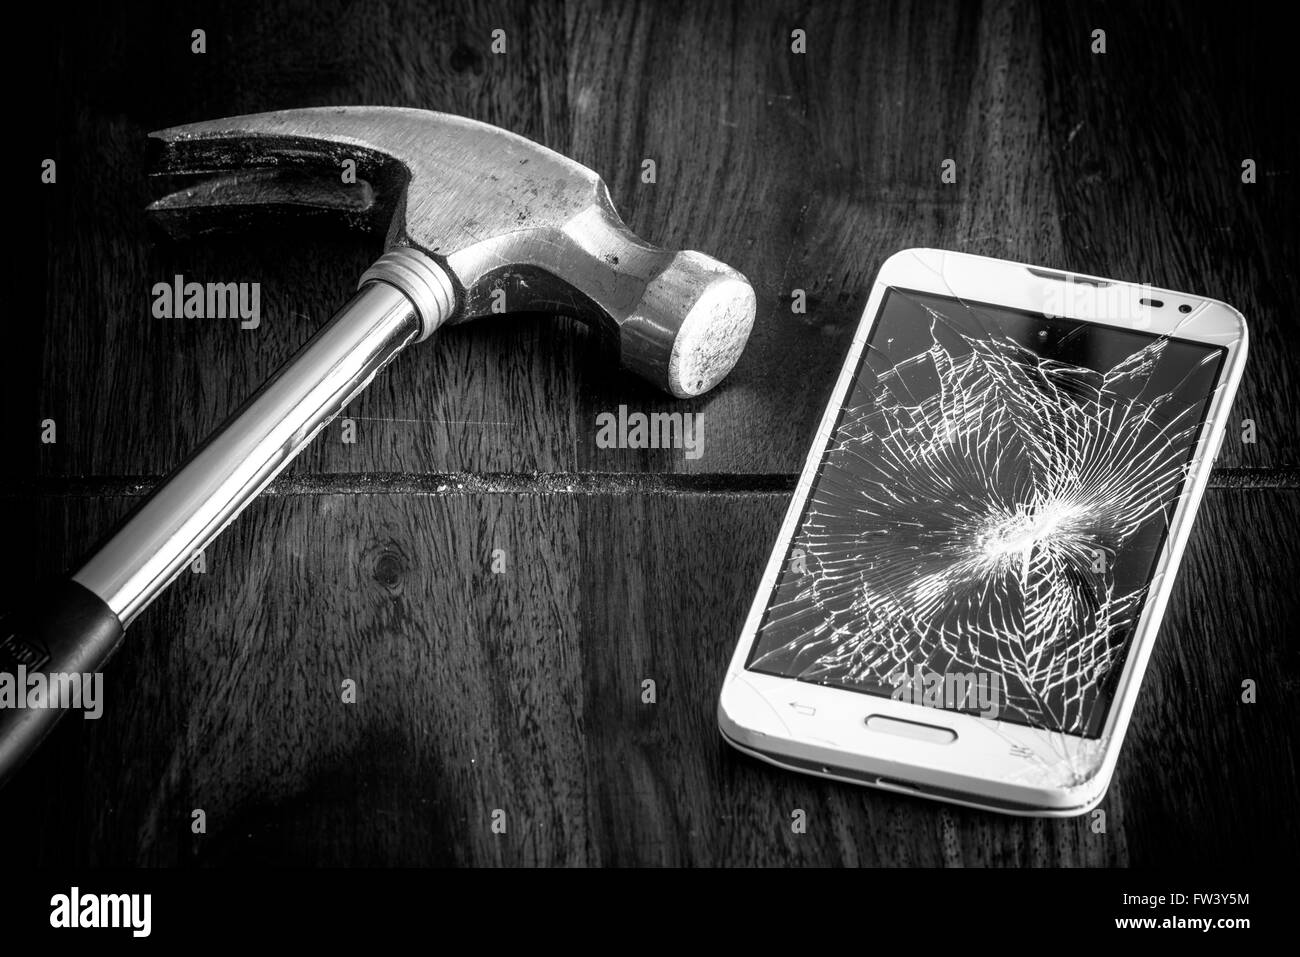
989 512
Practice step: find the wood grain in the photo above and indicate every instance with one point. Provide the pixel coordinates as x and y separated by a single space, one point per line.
522 691
805 172
1149 144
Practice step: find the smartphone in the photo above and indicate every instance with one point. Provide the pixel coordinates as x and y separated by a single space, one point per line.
966 588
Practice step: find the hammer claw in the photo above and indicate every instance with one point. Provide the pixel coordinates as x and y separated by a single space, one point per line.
234 201
316 138
504 221
479 220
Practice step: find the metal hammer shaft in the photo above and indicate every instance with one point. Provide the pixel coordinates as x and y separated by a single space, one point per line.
198 500
477 220
79 627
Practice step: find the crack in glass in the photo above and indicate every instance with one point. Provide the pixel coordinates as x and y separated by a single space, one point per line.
972 514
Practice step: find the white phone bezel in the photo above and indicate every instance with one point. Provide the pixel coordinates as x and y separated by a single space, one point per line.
822 730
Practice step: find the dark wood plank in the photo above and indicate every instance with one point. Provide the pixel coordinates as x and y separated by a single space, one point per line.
804 171
1148 142
522 691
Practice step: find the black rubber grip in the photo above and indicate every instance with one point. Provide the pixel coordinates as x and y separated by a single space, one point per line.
68 633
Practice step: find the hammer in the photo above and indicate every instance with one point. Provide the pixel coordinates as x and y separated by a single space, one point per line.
469 209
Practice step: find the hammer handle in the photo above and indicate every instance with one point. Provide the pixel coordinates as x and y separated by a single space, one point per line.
203 495
80 625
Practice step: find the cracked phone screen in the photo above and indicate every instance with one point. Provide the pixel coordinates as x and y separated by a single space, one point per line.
991 507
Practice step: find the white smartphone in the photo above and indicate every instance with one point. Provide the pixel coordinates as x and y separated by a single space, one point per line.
967 586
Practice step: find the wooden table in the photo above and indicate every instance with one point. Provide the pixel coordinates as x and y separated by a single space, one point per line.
521 691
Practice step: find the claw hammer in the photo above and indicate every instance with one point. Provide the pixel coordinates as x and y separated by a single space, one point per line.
468 209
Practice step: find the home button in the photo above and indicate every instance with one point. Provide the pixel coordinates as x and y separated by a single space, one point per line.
931 733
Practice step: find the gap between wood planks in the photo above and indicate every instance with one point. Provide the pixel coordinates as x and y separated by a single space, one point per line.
541 483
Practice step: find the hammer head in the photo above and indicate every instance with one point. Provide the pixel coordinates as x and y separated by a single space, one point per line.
515 224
